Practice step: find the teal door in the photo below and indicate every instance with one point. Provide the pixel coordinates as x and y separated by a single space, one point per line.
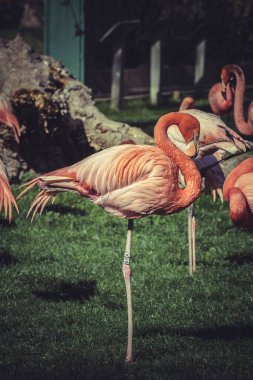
64 34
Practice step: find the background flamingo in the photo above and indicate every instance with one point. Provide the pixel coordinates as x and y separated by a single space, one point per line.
214 177
238 191
131 181
229 73
6 197
218 103
214 135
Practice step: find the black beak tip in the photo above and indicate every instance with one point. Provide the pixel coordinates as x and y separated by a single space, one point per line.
223 93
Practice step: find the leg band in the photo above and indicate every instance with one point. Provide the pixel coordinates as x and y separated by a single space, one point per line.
126 258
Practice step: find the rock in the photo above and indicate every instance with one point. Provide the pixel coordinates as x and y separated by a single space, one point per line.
60 122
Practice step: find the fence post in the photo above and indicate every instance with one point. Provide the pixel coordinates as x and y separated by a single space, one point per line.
155 72
117 79
199 63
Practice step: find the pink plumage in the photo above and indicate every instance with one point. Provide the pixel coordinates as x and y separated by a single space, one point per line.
238 191
129 181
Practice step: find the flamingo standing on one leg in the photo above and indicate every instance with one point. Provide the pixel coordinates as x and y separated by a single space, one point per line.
6 197
132 181
238 191
235 72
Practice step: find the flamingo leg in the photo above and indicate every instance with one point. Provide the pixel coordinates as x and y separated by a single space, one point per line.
127 277
193 244
190 244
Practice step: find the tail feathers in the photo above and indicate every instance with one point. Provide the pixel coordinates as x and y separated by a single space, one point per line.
40 202
7 199
29 185
50 184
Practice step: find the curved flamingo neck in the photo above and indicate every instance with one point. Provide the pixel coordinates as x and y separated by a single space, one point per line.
188 125
187 103
241 124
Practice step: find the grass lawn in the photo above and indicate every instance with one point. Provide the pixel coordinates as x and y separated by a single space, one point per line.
63 303
63 309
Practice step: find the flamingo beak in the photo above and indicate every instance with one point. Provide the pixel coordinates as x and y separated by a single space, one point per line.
223 89
193 147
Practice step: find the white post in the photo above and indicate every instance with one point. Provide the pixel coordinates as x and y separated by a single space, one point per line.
155 72
117 72
200 61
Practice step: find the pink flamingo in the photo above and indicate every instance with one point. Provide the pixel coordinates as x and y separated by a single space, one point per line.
238 191
212 129
132 181
229 73
218 103
6 197
214 135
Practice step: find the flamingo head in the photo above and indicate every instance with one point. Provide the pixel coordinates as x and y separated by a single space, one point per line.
229 75
185 134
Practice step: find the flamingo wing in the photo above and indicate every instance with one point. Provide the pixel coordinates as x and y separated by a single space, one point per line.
215 134
126 180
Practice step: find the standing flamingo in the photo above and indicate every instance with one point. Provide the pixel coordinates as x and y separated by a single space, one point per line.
214 135
132 181
218 103
235 72
238 191
188 103
212 130
6 197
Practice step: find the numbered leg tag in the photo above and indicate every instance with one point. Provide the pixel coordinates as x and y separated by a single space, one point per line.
126 258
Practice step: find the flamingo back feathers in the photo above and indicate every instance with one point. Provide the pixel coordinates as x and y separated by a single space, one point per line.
126 180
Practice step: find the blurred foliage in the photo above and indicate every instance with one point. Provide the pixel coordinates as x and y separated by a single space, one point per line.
227 25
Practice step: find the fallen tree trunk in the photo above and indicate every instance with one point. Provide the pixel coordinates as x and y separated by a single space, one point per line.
60 122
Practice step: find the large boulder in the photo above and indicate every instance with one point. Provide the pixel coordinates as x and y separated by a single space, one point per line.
59 119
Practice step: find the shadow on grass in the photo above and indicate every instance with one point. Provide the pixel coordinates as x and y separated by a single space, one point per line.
240 258
5 223
6 259
65 210
227 333
66 291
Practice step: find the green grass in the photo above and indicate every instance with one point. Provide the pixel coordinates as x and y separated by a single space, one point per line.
140 113
63 302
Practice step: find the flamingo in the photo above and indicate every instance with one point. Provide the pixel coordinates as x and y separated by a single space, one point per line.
230 72
238 191
131 181
218 103
214 177
188 103
214 135
6 197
